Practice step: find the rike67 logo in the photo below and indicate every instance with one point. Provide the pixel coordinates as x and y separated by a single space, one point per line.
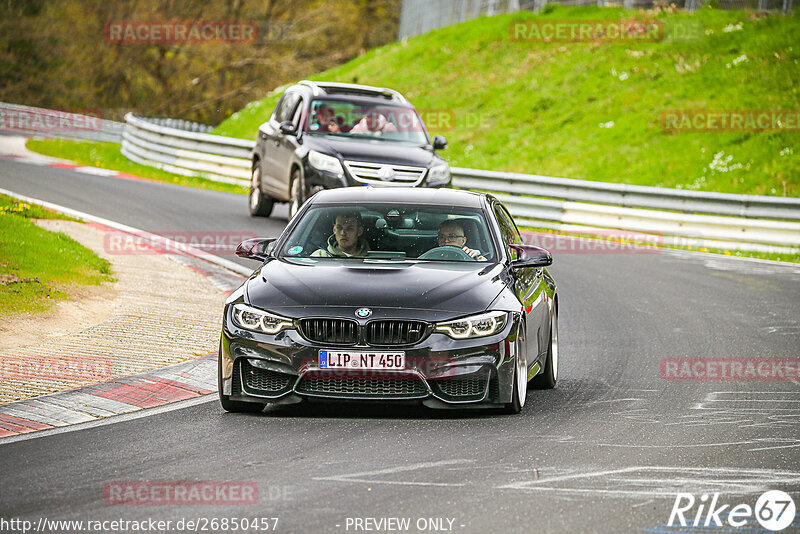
774 510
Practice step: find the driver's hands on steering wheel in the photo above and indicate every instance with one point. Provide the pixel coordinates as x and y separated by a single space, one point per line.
473 253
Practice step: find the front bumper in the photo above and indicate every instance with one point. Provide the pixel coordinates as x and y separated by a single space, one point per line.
316 179
440 372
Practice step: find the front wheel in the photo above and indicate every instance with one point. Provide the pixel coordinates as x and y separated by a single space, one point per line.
259 203
549 376
295 193
520 386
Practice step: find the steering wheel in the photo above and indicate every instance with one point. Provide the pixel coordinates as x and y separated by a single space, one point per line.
447 252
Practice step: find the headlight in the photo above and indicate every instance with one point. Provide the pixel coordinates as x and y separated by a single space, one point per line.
321 162
258 320
440 173
481 325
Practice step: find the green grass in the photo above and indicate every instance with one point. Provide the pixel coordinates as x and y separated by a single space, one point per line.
38 267
12 206
591 110
108 156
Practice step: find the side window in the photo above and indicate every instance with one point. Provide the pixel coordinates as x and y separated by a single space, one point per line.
283 112
508 230
298 112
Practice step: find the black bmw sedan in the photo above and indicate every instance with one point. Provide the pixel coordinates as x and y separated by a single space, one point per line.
378 294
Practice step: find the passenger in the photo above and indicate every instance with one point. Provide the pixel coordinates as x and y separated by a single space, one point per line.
347 239
326 119
451 233
373 123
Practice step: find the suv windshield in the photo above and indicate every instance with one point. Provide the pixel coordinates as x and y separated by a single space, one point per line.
391 232
360 120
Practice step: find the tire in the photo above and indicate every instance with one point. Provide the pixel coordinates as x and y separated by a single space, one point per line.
547 379
296 196
234 406
520 385
260 204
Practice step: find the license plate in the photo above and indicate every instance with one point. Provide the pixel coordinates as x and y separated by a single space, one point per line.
329 359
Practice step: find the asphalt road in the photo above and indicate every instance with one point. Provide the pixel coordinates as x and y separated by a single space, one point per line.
606 451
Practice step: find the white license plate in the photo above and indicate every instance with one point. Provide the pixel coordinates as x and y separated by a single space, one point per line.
329 359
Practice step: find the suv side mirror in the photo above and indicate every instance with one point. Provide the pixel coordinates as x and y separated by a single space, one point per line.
255 249
530 256
439 142
287 127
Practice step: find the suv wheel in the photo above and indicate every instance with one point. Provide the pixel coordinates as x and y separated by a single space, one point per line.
259 203
296 197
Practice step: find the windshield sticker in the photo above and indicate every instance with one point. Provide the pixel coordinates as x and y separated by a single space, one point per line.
295 250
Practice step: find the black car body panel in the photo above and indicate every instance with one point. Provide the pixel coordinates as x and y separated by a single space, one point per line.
440 370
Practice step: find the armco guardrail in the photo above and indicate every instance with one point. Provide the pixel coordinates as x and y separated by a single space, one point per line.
17 119
672 216
224 159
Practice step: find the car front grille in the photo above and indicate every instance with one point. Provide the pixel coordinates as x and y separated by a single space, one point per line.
263 381
361 388
394 332
470 387
336 331
370 173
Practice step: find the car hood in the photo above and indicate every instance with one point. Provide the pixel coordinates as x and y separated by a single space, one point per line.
373 150
429 291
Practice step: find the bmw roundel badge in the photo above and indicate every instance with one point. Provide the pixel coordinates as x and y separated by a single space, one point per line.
363 313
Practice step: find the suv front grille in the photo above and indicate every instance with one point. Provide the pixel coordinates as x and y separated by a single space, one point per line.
337 331
394 332
369 173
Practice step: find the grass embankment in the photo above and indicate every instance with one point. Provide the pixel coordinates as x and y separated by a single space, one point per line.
39 267
108 156
592 110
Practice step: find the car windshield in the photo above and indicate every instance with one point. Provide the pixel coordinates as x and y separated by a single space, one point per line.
359 120
391 232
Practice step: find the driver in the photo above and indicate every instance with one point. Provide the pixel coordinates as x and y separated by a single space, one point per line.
347 239
451 233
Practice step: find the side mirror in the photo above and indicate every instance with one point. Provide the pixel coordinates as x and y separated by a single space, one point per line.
255 249
439 142
287 127
530 256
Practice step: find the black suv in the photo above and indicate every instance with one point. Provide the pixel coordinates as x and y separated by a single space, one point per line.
324 135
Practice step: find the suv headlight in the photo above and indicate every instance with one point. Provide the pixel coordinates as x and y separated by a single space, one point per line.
440 173
481 325
323 162
257 320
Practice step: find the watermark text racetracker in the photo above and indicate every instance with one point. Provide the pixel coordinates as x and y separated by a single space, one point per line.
730 120
24 119
122 243
65 367
730 369
184 524
627 31
181 31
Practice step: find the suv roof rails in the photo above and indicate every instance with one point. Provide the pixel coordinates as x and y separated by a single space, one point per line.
352 88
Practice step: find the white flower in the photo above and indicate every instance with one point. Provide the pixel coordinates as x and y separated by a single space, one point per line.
732 28
786 151
736 61
609 124
623 76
